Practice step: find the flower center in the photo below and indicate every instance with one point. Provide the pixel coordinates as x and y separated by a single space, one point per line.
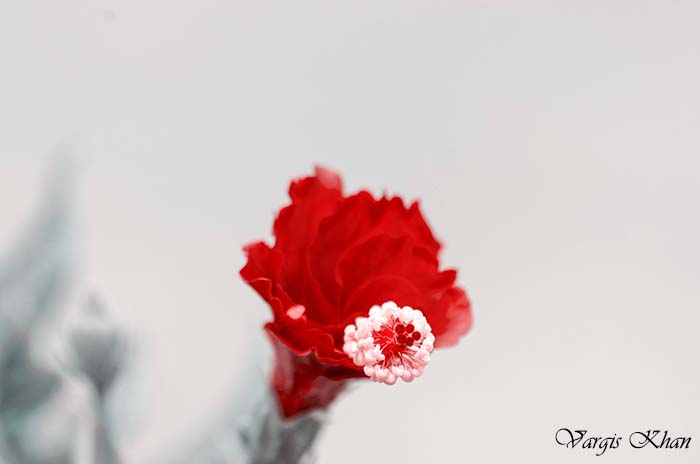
391 343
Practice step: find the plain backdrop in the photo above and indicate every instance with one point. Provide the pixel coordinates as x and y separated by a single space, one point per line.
554 147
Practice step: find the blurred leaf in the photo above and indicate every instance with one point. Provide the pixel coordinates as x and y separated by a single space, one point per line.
36 271
33 278
26 384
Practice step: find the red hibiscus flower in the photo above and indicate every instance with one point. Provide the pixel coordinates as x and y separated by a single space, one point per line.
335 257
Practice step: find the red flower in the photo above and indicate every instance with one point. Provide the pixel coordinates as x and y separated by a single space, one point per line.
333 259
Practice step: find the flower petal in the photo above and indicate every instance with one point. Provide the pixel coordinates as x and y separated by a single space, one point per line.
299 333
377 291
359 218
450 316
313 199
302 382
262 273
386 255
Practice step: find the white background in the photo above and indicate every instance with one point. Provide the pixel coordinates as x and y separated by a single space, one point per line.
554 146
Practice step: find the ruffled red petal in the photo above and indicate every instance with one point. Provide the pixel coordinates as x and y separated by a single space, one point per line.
386 255
379 290
450 316
300 334
262 274
359 218
385 268
313 199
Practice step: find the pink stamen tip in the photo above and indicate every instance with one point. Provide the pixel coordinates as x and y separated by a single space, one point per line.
296 311
391 343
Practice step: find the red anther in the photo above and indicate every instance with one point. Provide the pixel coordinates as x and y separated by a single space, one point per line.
410 328
399 329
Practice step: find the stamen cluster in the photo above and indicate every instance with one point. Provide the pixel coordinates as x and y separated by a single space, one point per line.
391 343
